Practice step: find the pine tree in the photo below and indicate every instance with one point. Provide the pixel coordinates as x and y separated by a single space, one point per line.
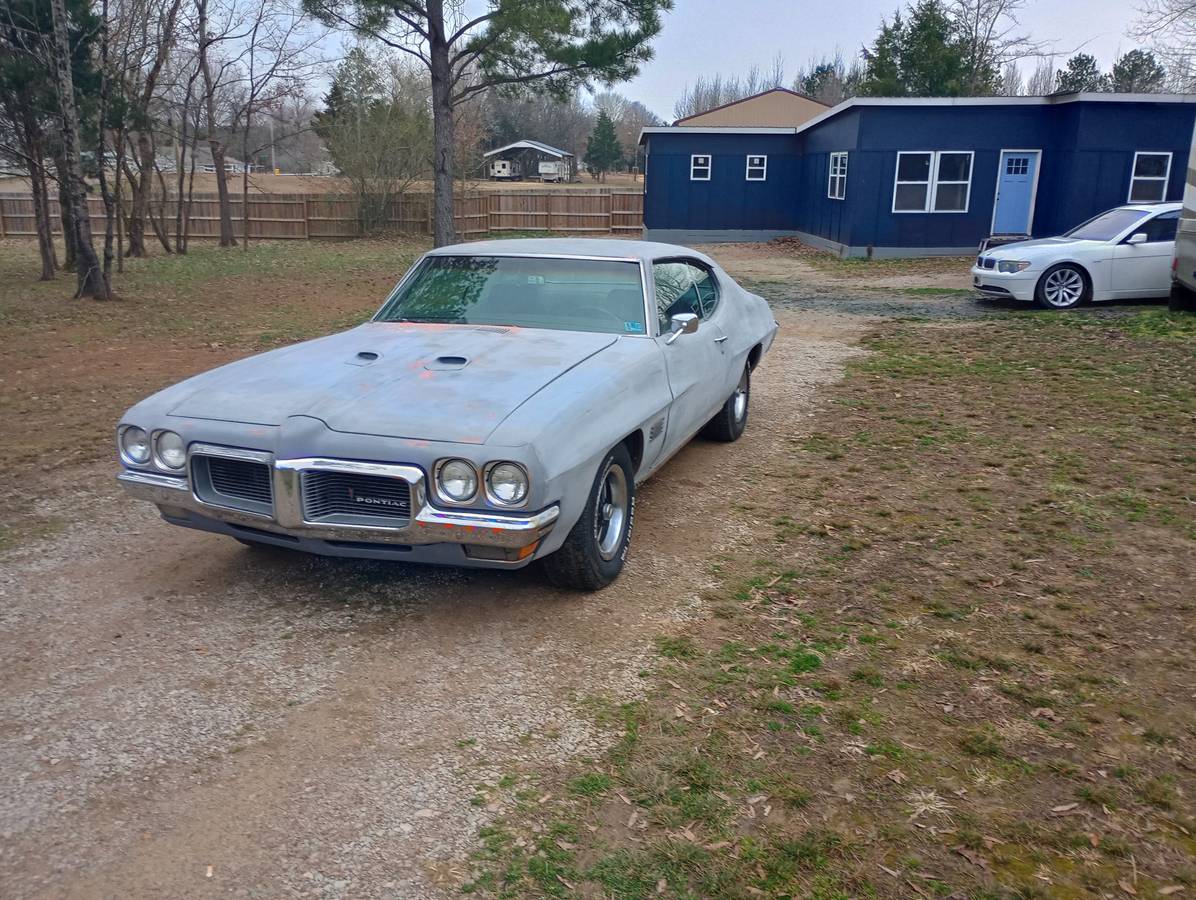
1082 74
1138 72
603 152
919 56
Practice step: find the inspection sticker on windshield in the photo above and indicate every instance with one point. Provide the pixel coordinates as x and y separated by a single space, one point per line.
634 327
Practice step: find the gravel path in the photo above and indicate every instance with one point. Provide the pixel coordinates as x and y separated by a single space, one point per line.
181 716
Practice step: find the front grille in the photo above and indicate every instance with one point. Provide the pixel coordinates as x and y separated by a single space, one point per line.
235 483
349 498
240 479
989 262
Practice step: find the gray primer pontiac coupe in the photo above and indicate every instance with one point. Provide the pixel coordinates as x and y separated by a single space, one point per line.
500 407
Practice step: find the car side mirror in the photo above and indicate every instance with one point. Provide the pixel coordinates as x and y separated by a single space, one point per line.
683 323
1138 237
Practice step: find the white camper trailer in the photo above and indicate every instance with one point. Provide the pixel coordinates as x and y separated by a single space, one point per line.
505 170
554 170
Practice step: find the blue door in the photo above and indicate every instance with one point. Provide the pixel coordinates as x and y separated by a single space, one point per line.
1015 191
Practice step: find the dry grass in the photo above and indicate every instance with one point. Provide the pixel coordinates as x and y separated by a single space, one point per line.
960 663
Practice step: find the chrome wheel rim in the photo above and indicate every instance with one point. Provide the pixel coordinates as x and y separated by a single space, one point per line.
611 518
739 399
1063 287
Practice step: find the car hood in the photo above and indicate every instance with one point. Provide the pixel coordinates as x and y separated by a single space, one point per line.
419 381
1038 247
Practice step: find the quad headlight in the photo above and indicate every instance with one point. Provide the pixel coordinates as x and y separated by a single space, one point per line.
507 483
456 480
1009 266
134 445
170 450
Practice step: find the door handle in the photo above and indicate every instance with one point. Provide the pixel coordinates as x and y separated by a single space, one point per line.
719 340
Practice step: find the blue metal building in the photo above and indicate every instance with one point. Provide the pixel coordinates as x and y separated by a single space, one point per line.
918 176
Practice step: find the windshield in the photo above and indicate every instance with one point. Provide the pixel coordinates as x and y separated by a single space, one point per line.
1107 225
599 295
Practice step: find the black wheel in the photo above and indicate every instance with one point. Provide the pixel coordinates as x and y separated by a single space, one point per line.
728 425
1064 286
593 553
1182 298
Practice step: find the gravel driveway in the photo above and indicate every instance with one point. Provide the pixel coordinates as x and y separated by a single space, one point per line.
182 716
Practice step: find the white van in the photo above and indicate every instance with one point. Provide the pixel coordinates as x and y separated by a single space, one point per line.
1183 267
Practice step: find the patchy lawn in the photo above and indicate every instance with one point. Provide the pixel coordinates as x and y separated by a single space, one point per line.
960 663
80 364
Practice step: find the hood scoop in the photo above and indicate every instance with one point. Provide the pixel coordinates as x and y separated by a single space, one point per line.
363 358
447 363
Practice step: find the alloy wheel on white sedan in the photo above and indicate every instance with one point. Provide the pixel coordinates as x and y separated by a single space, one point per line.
1062 287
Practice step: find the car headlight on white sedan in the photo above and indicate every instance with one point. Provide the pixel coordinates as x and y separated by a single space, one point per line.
1010 266
134 445
507 483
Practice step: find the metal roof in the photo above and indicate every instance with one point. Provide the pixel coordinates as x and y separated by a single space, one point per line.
530 145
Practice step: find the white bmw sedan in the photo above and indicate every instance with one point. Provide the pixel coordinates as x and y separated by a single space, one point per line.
1121 254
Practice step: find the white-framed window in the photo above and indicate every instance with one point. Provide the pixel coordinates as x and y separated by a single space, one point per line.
1148 181
757 168
836 183
932 181
699 167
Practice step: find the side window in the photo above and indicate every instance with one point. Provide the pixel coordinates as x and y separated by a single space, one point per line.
683 287
757 168
1161 228
707 290
699 167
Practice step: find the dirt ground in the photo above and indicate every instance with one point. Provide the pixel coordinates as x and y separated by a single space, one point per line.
181 716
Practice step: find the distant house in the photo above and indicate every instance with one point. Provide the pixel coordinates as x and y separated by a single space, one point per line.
203 162
917 176
529 159
778 107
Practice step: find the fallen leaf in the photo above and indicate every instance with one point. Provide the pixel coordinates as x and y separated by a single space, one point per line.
1171 889
1066 807
1127 887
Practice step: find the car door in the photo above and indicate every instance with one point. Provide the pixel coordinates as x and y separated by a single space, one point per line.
696 363
1144 270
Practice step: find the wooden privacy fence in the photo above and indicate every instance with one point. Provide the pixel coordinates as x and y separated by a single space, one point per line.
316 216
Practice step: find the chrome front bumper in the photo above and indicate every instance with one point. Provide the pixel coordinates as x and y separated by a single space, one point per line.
427 524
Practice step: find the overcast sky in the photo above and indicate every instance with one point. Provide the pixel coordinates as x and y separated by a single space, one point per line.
713 36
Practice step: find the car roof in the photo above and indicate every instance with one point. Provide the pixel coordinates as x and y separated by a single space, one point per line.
607 248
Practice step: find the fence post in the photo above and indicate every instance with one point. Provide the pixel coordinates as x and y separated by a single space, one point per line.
306 226
3 227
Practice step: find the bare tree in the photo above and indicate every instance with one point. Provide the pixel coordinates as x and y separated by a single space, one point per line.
992 37
89 277
211 82
1042 80
718 90
1012 83
1169 28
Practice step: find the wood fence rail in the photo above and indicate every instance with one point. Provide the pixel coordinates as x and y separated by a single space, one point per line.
334 216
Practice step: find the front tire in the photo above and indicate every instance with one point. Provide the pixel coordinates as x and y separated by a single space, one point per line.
731 420
596 548
1064 286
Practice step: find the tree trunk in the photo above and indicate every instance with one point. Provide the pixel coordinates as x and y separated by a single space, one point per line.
101 151
443 228
33 145
140 189
89 277
65 214
226 213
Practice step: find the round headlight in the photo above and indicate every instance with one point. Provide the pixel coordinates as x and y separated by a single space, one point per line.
507 483
134 445
172 451
457 480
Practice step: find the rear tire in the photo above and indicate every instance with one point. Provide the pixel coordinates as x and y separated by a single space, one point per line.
596 548
1182 299
731 420
1063 286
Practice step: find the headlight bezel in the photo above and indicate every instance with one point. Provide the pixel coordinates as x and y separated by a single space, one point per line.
1012 266
159 459
125 456
443 495
493 497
